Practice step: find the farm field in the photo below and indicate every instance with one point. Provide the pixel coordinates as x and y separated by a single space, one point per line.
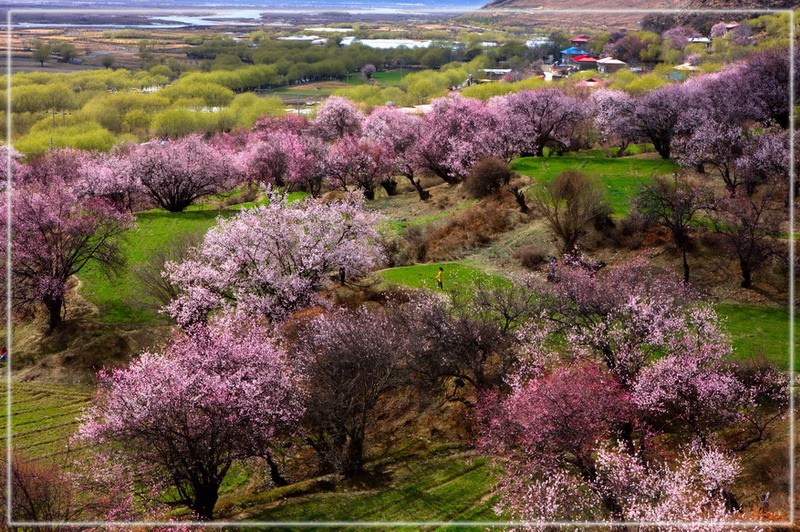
445 486
44 416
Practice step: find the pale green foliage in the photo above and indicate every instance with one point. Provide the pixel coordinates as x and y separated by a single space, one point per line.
211 93
87 135
161 70
484 91
32 98
248 108
175 123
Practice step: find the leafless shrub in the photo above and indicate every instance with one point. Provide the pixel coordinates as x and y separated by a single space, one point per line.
531 257
148 273
570 204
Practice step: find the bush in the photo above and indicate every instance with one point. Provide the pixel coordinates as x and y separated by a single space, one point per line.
531 257
486 177
627 233
148 273
472 228
571 204
416 242
245 196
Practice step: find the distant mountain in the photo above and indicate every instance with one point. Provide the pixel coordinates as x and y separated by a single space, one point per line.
535 12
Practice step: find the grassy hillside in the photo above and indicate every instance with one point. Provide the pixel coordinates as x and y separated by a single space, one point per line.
119 298
754 330
457 275
419 483
444 486
758 331
622 176
44 416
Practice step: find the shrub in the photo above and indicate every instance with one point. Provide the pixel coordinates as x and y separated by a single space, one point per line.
531 257
148 273
571 204
487 177
472 228
416 242
627 233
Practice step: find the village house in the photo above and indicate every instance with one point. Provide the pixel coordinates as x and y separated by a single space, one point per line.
569 53
609 65
584 62
580 41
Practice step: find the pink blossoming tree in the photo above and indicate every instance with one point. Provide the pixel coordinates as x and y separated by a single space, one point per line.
360 162
176 173
109 177
55 235
211 398
336 118
272 260
532 120
400 134
582 433
456 134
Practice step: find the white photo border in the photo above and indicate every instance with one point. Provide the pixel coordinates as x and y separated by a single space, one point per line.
377 524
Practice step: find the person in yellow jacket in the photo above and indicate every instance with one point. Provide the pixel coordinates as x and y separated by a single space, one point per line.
440 278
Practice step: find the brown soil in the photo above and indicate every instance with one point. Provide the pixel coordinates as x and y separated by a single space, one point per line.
78 348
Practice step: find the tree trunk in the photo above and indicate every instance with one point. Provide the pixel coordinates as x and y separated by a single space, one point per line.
520 197
746 275
354 457
685 265
54 307
663 149
369 193
205 499
390 186
274 472
424 195
731 503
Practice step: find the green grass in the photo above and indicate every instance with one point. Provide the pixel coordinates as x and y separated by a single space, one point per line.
457 276
118 297
452 487
391 77
754 330
758 331
400 225
44 416
307 92
622 176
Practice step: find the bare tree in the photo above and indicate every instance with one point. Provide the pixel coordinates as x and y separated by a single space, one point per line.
673 204
571 204
748 227
353 359
149 272
460 346
39 493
